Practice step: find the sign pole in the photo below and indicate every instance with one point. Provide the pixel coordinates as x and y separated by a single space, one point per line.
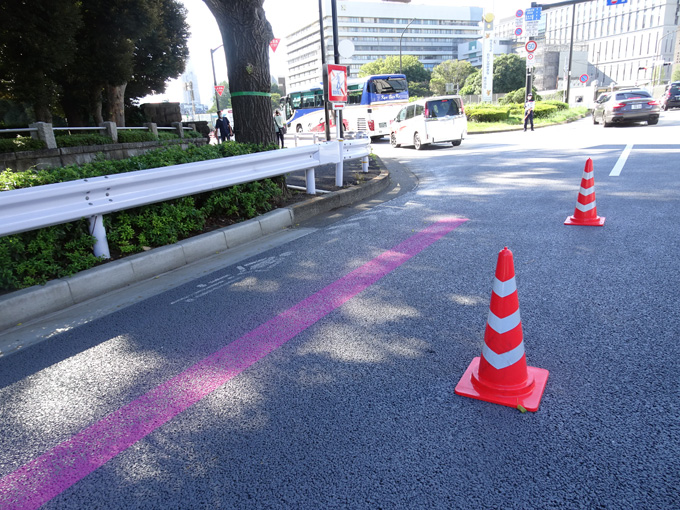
323 62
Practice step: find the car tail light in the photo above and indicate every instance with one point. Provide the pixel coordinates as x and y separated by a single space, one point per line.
462 107
426 112
618 105
653 103
371 125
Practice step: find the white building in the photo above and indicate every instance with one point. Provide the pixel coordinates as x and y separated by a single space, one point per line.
378 30
623 43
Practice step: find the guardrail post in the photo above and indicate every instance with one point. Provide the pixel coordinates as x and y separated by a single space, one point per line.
111 130
44 133
310 180
338 166
364 164
153 128
180 130
97 229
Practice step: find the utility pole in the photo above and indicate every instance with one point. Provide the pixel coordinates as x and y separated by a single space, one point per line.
336 57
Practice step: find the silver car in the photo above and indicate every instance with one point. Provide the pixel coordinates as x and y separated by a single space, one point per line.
633 105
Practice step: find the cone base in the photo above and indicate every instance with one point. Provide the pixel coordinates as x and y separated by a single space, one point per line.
595 222
530 400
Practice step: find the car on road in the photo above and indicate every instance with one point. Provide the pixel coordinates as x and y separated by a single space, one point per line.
432 120
671 98
631 105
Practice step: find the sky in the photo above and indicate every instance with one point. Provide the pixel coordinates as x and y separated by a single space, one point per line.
205 36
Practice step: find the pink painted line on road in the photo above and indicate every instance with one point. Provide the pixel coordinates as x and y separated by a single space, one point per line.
49 475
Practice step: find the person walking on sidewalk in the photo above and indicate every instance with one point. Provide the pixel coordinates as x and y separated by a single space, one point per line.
529 112
222 128
279 126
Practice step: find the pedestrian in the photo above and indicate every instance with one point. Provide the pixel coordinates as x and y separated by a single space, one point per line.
529 112
280 127
222 128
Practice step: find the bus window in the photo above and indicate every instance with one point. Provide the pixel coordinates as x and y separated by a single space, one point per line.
388 85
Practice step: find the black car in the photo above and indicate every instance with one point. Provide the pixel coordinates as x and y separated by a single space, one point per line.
671 98
626 105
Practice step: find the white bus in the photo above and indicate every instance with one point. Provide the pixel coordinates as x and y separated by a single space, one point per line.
372 103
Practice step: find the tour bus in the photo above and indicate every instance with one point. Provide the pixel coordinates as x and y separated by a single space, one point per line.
372 103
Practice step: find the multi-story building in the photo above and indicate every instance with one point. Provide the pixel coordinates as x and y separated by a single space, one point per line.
378 30
628 42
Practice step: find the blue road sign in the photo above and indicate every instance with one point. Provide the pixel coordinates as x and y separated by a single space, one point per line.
616 2
534 13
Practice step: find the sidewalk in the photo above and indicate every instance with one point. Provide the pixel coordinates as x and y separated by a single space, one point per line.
20 307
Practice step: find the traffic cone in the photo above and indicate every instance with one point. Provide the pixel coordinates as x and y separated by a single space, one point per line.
501 374
586 209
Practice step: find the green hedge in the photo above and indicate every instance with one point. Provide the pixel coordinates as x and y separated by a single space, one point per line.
38 256
135 135
487 113
82 139
20 144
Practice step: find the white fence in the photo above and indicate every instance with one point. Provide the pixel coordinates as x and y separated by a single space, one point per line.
28 209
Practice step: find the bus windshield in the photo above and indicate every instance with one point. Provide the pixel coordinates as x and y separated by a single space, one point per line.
388 85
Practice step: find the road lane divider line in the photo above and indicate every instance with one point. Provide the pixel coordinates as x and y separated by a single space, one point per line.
616 171
58 469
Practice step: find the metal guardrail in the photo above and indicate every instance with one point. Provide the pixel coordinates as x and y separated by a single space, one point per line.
28 209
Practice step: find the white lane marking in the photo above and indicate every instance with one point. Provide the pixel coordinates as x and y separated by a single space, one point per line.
616 171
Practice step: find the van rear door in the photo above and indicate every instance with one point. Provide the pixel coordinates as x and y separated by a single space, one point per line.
441 117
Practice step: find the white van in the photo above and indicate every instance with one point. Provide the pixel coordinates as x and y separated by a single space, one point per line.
431 120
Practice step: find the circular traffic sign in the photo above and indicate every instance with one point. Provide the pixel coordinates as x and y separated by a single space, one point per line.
531 46
583 78
518 31
519 13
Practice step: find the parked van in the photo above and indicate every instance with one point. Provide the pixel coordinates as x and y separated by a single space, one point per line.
431 120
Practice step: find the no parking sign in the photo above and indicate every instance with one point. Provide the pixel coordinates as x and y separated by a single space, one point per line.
583 78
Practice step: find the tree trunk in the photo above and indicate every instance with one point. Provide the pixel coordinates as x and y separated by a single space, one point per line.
116 98
246 34
96 105
42 112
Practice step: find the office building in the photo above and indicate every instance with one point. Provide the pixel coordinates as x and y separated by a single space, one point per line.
378 30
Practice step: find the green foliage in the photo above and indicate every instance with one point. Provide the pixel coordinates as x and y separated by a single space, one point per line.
543 111
451 71
486 113
165 135
676 73
473 84
518 96
559 105
135 135
33 258
20 144
82 139
39 256
411 67
418 89
509 72
191 134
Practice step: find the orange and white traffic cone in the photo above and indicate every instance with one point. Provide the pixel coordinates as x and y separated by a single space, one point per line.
586 208
501 375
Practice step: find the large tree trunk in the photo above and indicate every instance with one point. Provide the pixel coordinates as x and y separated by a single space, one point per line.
116 98
42 112
246 34
96 105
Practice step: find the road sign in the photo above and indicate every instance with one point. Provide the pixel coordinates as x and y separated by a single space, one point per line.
518 31
338 106
336 81
519 13
274 43
583 78
532 14
616 2
531 46
219 89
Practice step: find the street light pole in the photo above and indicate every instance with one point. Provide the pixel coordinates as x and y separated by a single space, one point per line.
402 35
217 100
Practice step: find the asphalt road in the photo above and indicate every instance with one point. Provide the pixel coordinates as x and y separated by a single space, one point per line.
319 371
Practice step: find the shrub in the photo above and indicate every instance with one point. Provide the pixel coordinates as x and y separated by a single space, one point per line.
38 256
82 139
20 144
193 134
542 110
486 113
164 135
557 104
135 135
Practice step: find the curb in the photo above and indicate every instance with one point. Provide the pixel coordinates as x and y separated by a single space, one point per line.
37 301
